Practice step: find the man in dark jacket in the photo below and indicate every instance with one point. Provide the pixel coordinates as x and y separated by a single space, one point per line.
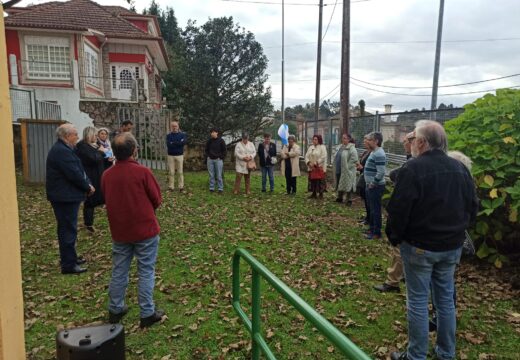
175 142
67 186
267 156
433 202
215 153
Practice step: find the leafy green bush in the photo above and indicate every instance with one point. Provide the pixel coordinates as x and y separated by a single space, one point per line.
489 133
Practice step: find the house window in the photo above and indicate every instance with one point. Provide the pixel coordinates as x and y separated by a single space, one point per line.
48 58
114 78
126 79
92 66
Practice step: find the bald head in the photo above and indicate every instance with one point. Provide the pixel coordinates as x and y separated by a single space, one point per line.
433 135
124 146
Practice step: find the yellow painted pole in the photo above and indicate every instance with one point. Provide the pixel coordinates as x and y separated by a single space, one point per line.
11 300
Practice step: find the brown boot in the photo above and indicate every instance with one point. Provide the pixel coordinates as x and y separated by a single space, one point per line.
238 180
339 199
313 195
248 183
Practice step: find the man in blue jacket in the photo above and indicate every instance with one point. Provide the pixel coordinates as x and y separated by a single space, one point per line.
67 186
175 142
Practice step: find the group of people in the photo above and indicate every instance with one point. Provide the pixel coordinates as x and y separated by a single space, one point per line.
95 171
432 204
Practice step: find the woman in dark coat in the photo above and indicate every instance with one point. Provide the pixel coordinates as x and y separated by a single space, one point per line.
92 157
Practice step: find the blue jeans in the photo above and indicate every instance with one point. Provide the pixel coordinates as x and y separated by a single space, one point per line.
422 268
67 218
374 196
215 167
267 170
146 254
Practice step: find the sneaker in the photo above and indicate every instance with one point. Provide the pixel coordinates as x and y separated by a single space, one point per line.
152 319
181 190
116 318
80 260
387 288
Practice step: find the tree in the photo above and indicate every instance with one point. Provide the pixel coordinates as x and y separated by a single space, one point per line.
362 105
489 134
223 84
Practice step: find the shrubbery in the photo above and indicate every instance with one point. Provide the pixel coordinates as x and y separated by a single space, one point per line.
489 133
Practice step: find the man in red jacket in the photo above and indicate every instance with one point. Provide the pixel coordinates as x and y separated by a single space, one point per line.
132 195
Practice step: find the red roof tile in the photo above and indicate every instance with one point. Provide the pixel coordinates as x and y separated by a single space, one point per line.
76 15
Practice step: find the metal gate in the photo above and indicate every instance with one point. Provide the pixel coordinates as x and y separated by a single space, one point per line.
150 129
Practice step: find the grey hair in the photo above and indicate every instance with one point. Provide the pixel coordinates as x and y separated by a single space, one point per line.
88 133
64 130
377 136
433 133
291 137
465 160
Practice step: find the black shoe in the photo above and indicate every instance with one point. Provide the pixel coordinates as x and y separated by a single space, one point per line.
387 288
398 356
339 200
116 318
152 319
81 260
75 270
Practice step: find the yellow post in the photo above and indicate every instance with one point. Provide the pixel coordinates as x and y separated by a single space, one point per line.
11 300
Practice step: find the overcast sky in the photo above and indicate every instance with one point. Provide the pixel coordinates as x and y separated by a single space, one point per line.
393 44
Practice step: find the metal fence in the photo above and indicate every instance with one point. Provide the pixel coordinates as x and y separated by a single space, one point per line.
150 129
393 126
24 105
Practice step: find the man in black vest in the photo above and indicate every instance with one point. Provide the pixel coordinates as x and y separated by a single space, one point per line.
267 156
67 186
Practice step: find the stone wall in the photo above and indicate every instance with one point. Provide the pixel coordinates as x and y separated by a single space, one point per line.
103 114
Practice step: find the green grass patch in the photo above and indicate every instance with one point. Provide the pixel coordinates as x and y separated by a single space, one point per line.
315 247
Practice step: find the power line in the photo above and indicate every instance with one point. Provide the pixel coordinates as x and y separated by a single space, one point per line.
331 15
441 86
400 42
295 4
422 95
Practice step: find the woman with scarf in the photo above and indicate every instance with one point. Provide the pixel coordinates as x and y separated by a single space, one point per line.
316 160
92 157
345 163
102 141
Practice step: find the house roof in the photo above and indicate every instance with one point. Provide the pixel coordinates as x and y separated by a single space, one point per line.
80 15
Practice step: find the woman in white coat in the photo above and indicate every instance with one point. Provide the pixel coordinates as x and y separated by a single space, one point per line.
245 153
290 166
316 160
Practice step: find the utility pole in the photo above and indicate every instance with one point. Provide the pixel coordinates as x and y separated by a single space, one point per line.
345 68
283 64
318 72
435 87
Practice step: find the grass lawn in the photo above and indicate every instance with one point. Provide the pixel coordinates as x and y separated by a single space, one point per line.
315 247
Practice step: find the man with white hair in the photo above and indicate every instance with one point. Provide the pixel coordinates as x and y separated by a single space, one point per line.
433 202
67 186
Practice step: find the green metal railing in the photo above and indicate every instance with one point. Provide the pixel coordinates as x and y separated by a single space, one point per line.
259 345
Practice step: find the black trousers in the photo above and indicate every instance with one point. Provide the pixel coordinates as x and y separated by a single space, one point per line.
88 215
290 182
67 218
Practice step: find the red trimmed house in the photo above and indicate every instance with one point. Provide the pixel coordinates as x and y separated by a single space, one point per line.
88 58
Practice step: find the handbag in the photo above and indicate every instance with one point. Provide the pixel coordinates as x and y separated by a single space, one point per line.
317 173
251 165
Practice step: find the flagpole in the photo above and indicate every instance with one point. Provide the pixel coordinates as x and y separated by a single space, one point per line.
283 65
